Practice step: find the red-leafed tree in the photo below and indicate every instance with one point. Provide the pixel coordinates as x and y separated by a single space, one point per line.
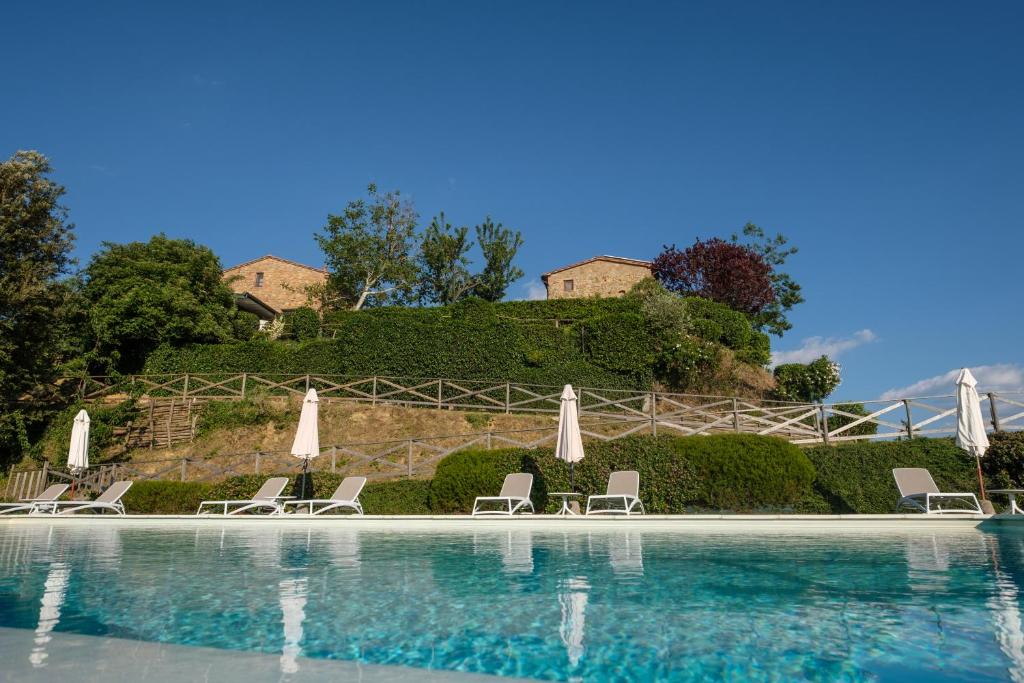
730 273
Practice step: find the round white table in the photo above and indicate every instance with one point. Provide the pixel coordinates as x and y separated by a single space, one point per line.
1012 495
565 496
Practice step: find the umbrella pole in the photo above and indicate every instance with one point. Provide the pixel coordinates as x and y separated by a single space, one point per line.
981 481
305 470
572 483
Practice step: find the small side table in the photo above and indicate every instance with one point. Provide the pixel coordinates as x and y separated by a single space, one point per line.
565 496
1012 495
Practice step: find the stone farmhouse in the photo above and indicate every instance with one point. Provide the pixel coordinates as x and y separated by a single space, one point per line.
270 285
602 276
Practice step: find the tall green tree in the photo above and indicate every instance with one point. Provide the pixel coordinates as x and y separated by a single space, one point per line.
370 252
499 246
444 266
144 294
774 252
35 251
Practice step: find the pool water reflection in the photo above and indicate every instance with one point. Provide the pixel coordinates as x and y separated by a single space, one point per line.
575 605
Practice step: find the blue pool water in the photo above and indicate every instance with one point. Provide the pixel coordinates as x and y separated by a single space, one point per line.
572 606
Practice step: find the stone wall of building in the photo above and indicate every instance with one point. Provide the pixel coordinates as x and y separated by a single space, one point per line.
283 284
596 278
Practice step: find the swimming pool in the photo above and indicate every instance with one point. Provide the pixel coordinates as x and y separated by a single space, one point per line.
574 605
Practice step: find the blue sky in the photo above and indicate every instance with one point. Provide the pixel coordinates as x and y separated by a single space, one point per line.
884 139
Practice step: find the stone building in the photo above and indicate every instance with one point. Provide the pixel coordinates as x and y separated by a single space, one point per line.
599 276
270 285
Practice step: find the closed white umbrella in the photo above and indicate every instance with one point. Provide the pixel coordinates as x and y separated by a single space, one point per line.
292 597
569 446
970 426
78 451
307 438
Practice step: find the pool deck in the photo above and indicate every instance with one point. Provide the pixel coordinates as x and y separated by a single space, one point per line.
679 523
57 656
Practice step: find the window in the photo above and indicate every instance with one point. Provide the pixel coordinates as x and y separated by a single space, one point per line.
567 285
259 279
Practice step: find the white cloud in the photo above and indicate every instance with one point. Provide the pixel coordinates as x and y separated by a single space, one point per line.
535 290
999 377
813 348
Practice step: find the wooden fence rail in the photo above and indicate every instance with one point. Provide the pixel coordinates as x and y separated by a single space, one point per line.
801 423
656 413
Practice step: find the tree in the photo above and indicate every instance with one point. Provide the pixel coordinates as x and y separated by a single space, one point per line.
444 267
144 294
35 250
729 273
787 291
499 246
369 252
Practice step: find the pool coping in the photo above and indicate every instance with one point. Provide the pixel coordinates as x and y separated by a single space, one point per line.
767 522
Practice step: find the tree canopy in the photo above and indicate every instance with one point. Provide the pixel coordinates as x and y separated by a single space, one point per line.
444 266
787 292
370 252
729 273
35 251
144 294
499 246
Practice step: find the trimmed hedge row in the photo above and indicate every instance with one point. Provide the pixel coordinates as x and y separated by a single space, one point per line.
738 472
609 344
857 477
407 496
733 472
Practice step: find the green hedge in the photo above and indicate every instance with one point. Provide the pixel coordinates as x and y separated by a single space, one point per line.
1004 461
737 472
406 496
857 477
609 344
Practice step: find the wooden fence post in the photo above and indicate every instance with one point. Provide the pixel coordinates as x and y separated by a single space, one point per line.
910 420
508 397
184 389
488 441
184 468
373 395
43 479
439 393
735 416
409 458
654 414
257 467
307 384
245 376
824 423
334 459
992 410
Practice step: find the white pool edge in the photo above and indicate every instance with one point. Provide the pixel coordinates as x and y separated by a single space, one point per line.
423 523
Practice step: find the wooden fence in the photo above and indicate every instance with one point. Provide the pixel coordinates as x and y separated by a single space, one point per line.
802 423
639 413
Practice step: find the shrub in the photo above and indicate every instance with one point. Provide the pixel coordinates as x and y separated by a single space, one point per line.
245 325
809 383
103 421
857 477
618 342
677 474
166 497
1004 460
302 324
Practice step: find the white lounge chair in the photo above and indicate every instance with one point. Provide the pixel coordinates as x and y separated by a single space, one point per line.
345 496
267 498
622 486
44 502
108 500
515 493
919 492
